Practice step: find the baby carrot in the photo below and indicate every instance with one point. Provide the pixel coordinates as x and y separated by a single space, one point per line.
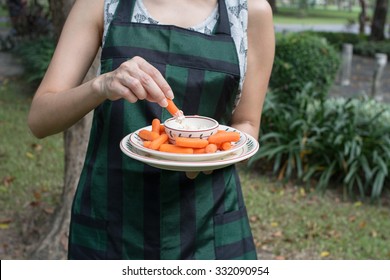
156 143
172 109
162 128
224 136
191 142
200 151
226 146
156 125
147 144
169 148
147 135
211 148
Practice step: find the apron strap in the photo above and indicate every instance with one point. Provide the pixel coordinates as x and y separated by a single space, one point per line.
125 10
223 21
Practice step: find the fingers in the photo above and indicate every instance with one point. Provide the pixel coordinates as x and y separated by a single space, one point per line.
134 80
193 174
145 82
155 76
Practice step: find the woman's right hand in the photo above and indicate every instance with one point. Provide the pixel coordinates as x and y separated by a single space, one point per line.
134 80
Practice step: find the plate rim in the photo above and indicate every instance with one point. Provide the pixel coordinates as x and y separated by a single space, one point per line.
175 165
190 157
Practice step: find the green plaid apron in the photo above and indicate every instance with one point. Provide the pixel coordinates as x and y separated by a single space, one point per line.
124 209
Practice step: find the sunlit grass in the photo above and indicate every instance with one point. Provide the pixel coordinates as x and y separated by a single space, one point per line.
315 16
31 170
289 222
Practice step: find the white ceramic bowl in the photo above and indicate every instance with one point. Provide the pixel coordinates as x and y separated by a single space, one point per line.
192 127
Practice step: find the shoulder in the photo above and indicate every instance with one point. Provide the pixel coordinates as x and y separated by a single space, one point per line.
261 33
260 21
250 13
259 11
256 6
95 9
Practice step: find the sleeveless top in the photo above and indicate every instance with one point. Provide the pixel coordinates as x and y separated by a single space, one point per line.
238 17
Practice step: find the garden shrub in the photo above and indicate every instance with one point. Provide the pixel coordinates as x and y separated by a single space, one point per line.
303 58
337 39
361 43
370 48
36 55
337 140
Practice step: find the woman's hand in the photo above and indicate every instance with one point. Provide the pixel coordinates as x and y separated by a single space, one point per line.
134 80
193 174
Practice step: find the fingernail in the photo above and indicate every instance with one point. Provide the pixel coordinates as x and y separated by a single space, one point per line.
164 103
170 94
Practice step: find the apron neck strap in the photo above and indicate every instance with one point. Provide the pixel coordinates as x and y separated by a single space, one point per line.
223 24
125 10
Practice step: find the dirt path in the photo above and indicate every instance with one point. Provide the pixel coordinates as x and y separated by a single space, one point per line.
10 66
361 80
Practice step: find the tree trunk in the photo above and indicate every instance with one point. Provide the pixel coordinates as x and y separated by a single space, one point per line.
362 16
379 20
54 243
17 14
59 10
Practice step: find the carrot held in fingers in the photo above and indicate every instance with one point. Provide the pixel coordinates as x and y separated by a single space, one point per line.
172 109
156 143
224 136
147 135
191 142
170 148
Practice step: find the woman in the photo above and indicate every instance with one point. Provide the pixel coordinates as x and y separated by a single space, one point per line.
214 57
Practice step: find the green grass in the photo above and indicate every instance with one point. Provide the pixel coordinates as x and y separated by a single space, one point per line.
290 223
315 16
31 170
287 222
3 11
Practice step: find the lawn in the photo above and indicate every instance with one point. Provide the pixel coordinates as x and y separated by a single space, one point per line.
29 165
288 221
311 16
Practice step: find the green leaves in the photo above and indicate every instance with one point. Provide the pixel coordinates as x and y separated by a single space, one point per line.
36 55
336 141
301 58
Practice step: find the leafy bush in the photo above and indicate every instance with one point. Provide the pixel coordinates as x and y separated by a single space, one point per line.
361 43
337 39
370 48
36 56
300 59
338 141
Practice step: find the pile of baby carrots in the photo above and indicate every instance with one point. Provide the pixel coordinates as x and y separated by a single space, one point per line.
157 139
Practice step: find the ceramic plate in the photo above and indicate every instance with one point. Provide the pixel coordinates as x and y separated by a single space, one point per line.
247 150
137 143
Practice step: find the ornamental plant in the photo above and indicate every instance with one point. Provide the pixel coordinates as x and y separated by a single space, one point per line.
303 58
328 142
